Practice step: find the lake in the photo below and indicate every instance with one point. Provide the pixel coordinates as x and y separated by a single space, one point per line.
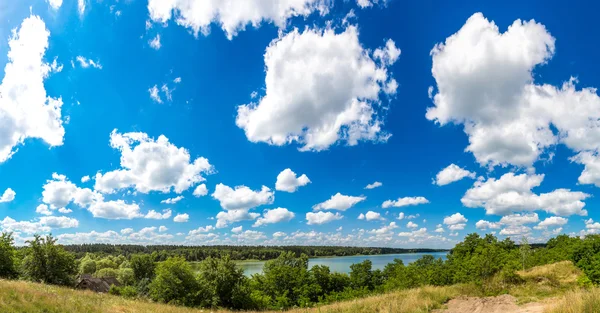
342 264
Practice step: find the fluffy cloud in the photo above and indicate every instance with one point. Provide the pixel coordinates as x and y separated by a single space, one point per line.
237 203
181 218
154 94
151 165
318 100
115 210
370 216
233 216
249 236
451 174
411 225
43 209
406 201
158 216
44 225
59 222
232 15
60 192
456 221
374 185
287 181
274 216
485 81
172 200
8 195
339 202
552 221
236 230
242 197
483 225
320 218
200 230
200 191
85 179
26 111
512 193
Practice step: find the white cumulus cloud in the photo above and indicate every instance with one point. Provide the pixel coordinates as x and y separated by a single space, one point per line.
320 218
315 99
406 201
339 202
151 165
288 181
273 216
26 111
451 174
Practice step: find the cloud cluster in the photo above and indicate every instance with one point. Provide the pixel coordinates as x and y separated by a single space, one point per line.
513 193
232 15
452 173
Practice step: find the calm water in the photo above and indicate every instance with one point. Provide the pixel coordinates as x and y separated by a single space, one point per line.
342 264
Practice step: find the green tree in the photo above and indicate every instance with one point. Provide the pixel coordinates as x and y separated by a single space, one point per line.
87 265
175 283
8 268
143 266
361 275
125 276
45 261
224 283
525 250
107 272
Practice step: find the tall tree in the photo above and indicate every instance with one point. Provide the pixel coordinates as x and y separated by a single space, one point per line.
8 268
47 262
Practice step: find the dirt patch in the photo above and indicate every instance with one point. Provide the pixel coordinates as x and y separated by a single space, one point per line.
500 304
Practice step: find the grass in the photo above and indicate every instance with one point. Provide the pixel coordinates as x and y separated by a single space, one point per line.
580 301
539 283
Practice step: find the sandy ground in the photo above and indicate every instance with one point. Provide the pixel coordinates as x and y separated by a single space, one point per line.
500 304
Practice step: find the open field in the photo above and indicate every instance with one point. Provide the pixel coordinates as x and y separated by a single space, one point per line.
540 284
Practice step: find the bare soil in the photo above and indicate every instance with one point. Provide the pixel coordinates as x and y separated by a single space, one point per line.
499 304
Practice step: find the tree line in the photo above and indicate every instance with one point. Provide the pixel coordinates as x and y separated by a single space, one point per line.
262 253
287 281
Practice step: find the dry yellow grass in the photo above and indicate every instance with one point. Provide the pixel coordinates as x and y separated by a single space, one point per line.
21 297
580 301
541 282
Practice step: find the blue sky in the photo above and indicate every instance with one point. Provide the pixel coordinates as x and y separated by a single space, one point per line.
479 117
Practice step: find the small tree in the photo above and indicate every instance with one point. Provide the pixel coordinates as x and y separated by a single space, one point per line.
47 262
175 283
525 250
143 266
8 268
223 282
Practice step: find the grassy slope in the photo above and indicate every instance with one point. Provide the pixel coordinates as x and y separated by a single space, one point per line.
541 282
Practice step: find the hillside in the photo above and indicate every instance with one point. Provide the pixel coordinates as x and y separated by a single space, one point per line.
538 284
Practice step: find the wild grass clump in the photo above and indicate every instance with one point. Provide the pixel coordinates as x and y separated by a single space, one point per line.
581 301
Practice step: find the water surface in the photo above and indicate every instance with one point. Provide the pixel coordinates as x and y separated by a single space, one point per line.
342 264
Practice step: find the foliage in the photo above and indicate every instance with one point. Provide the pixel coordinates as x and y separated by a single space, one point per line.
224 284
46 262
175 283
8 266
143 266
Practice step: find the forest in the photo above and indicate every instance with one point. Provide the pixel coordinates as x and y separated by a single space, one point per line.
262 253
287 281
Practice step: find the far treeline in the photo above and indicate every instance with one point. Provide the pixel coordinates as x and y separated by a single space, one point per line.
287 281
263 253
